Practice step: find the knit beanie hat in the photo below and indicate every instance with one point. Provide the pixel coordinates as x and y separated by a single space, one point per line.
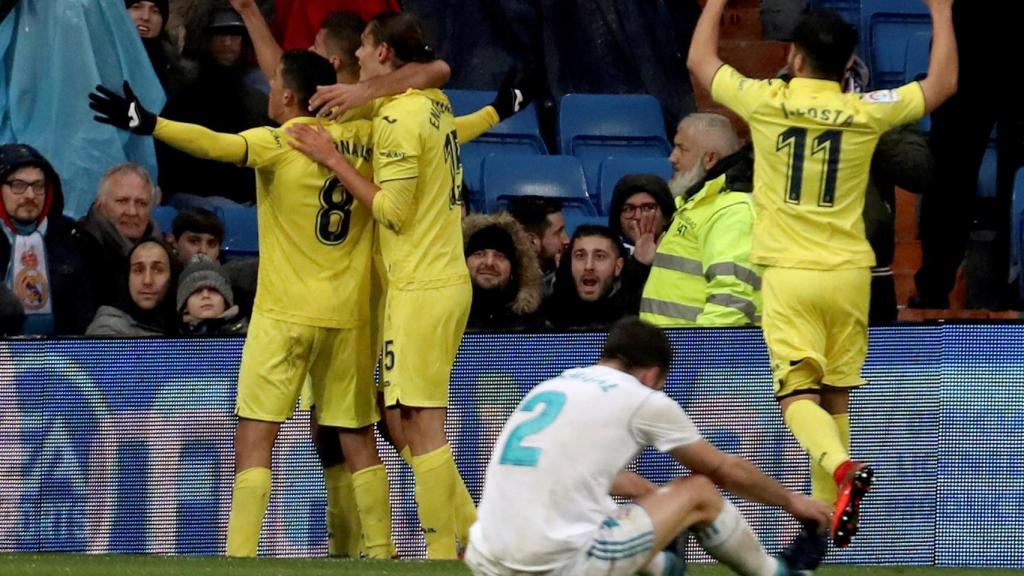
200 273
161 4
494 237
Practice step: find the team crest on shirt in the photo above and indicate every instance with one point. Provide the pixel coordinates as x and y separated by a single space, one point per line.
881 96
30 284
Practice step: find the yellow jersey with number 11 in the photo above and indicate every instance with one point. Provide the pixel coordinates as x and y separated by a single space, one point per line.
314 238
812 158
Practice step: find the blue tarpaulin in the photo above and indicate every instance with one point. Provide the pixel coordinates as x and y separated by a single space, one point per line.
53 54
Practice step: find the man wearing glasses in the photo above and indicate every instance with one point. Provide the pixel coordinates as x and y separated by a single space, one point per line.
40 259
701 274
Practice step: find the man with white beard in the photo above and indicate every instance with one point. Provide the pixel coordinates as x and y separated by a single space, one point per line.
702 274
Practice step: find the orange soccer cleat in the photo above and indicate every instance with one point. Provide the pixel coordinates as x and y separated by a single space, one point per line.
854 480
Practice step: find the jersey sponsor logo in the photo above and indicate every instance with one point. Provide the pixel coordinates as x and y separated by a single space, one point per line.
391 154
389 119
881 97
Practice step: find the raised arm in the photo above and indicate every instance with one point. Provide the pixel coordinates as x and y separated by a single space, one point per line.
943 64
333 101
703 60
268 51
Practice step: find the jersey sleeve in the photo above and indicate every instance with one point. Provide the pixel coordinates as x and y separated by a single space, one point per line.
888 108
396 152
737 92
661 423
264 146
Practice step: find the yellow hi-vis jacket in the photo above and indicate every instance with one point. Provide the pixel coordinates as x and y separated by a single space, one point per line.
702 274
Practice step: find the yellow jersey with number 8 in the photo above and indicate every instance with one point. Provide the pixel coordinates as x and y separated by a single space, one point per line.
812 158
314 238
416 143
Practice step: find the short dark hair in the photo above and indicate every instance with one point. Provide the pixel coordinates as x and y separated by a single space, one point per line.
827 41
403 32
638 344
532 212
342 31
198 221
302 71
587 230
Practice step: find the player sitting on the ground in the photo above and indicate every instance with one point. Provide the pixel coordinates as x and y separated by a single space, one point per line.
546 506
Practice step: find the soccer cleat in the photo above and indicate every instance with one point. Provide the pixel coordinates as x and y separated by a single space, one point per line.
854 480
806 551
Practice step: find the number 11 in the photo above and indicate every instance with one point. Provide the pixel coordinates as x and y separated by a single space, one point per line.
827 144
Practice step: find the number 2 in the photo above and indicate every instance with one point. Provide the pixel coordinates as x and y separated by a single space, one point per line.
514 453
827 144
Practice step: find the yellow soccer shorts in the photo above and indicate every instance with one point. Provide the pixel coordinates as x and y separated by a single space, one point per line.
815 324
422 332
279 356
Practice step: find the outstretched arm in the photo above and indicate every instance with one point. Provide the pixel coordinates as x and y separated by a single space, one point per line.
742 478
703 60
268 52
943 64
201 142
333 101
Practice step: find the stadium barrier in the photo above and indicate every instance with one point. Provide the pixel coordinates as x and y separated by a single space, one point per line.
126 445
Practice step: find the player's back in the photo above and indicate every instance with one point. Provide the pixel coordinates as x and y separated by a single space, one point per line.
554 462
415 138
813 146
314 239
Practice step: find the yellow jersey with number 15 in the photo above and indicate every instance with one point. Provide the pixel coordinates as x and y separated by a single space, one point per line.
415 142
314 238
812 158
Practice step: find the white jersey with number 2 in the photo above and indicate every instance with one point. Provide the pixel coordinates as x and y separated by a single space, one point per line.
546 491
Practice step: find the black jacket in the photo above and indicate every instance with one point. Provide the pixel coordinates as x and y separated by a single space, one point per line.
71 280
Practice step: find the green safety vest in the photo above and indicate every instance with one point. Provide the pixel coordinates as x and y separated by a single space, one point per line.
702 274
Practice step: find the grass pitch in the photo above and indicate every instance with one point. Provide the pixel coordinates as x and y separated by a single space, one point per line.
84 565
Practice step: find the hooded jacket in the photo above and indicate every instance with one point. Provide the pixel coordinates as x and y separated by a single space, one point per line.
70 278
702 274
516 306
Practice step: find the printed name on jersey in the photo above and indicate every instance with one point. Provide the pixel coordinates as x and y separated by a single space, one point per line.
391 154
436 110
353 149
881 96
834 116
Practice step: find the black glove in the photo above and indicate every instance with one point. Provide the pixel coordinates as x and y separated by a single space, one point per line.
513 95
124 112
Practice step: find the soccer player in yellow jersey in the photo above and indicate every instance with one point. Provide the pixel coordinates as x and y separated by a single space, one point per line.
416 199
812 152
310 315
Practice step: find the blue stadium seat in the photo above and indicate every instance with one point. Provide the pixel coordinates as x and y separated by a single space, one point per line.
987 173
613 169
848 9
574 220
240 231
558 177
917 55
1017 227
163 217
593 127
518 133
885 28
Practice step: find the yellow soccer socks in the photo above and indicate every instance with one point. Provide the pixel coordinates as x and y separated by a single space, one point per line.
823 485
436 479
371 494
817 432
249 499
344 531
465 510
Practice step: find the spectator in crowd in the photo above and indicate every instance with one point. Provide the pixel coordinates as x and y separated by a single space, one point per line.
147 309
117 220
196 231
986 35
206 302
221 99
639 212
508 286
41 254
150 20
544 222
702 274
588 293
12 313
